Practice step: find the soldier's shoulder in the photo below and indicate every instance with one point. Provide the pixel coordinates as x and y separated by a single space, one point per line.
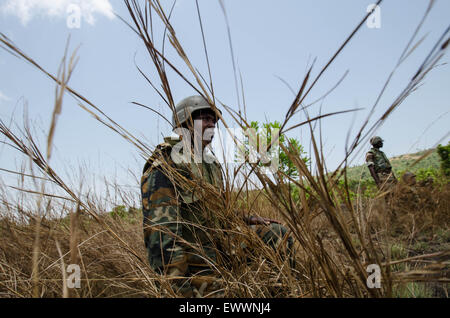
168 143
370 155
161 154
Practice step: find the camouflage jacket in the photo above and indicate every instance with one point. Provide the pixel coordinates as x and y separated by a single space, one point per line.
177 230
378 159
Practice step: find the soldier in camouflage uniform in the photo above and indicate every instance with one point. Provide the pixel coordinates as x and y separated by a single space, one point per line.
379 166
179 198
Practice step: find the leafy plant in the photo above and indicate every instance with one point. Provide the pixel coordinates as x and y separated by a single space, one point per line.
425 173
257 138
119 211
443 152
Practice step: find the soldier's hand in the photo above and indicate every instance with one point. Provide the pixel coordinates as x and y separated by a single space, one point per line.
257 220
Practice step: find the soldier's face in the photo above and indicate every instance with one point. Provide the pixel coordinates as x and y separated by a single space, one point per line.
379 144
208 123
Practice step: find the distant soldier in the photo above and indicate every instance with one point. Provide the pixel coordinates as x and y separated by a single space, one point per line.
180 199
379 166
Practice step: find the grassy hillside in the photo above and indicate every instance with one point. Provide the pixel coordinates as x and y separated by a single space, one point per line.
400 164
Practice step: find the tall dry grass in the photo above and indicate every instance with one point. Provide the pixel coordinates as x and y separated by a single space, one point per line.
336 237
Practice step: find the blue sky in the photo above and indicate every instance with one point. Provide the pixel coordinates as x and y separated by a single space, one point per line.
271 39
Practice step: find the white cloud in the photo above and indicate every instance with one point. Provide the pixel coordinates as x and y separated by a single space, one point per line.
25 10
4 98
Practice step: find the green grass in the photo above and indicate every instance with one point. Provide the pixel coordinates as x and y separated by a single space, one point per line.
412 290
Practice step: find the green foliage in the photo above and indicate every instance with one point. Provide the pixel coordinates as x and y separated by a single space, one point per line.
421 247
426 173
444 152
365 187
131 215
412 290
295 192
263 137
341 186
443 235
398 251
119 211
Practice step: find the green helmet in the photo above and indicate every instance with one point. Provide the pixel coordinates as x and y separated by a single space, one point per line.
187 106
374 140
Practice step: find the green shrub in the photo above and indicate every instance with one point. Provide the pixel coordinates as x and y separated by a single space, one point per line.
443 152
119 211
426 173
265 134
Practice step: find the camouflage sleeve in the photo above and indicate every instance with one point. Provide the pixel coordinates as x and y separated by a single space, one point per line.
370 159
162 228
